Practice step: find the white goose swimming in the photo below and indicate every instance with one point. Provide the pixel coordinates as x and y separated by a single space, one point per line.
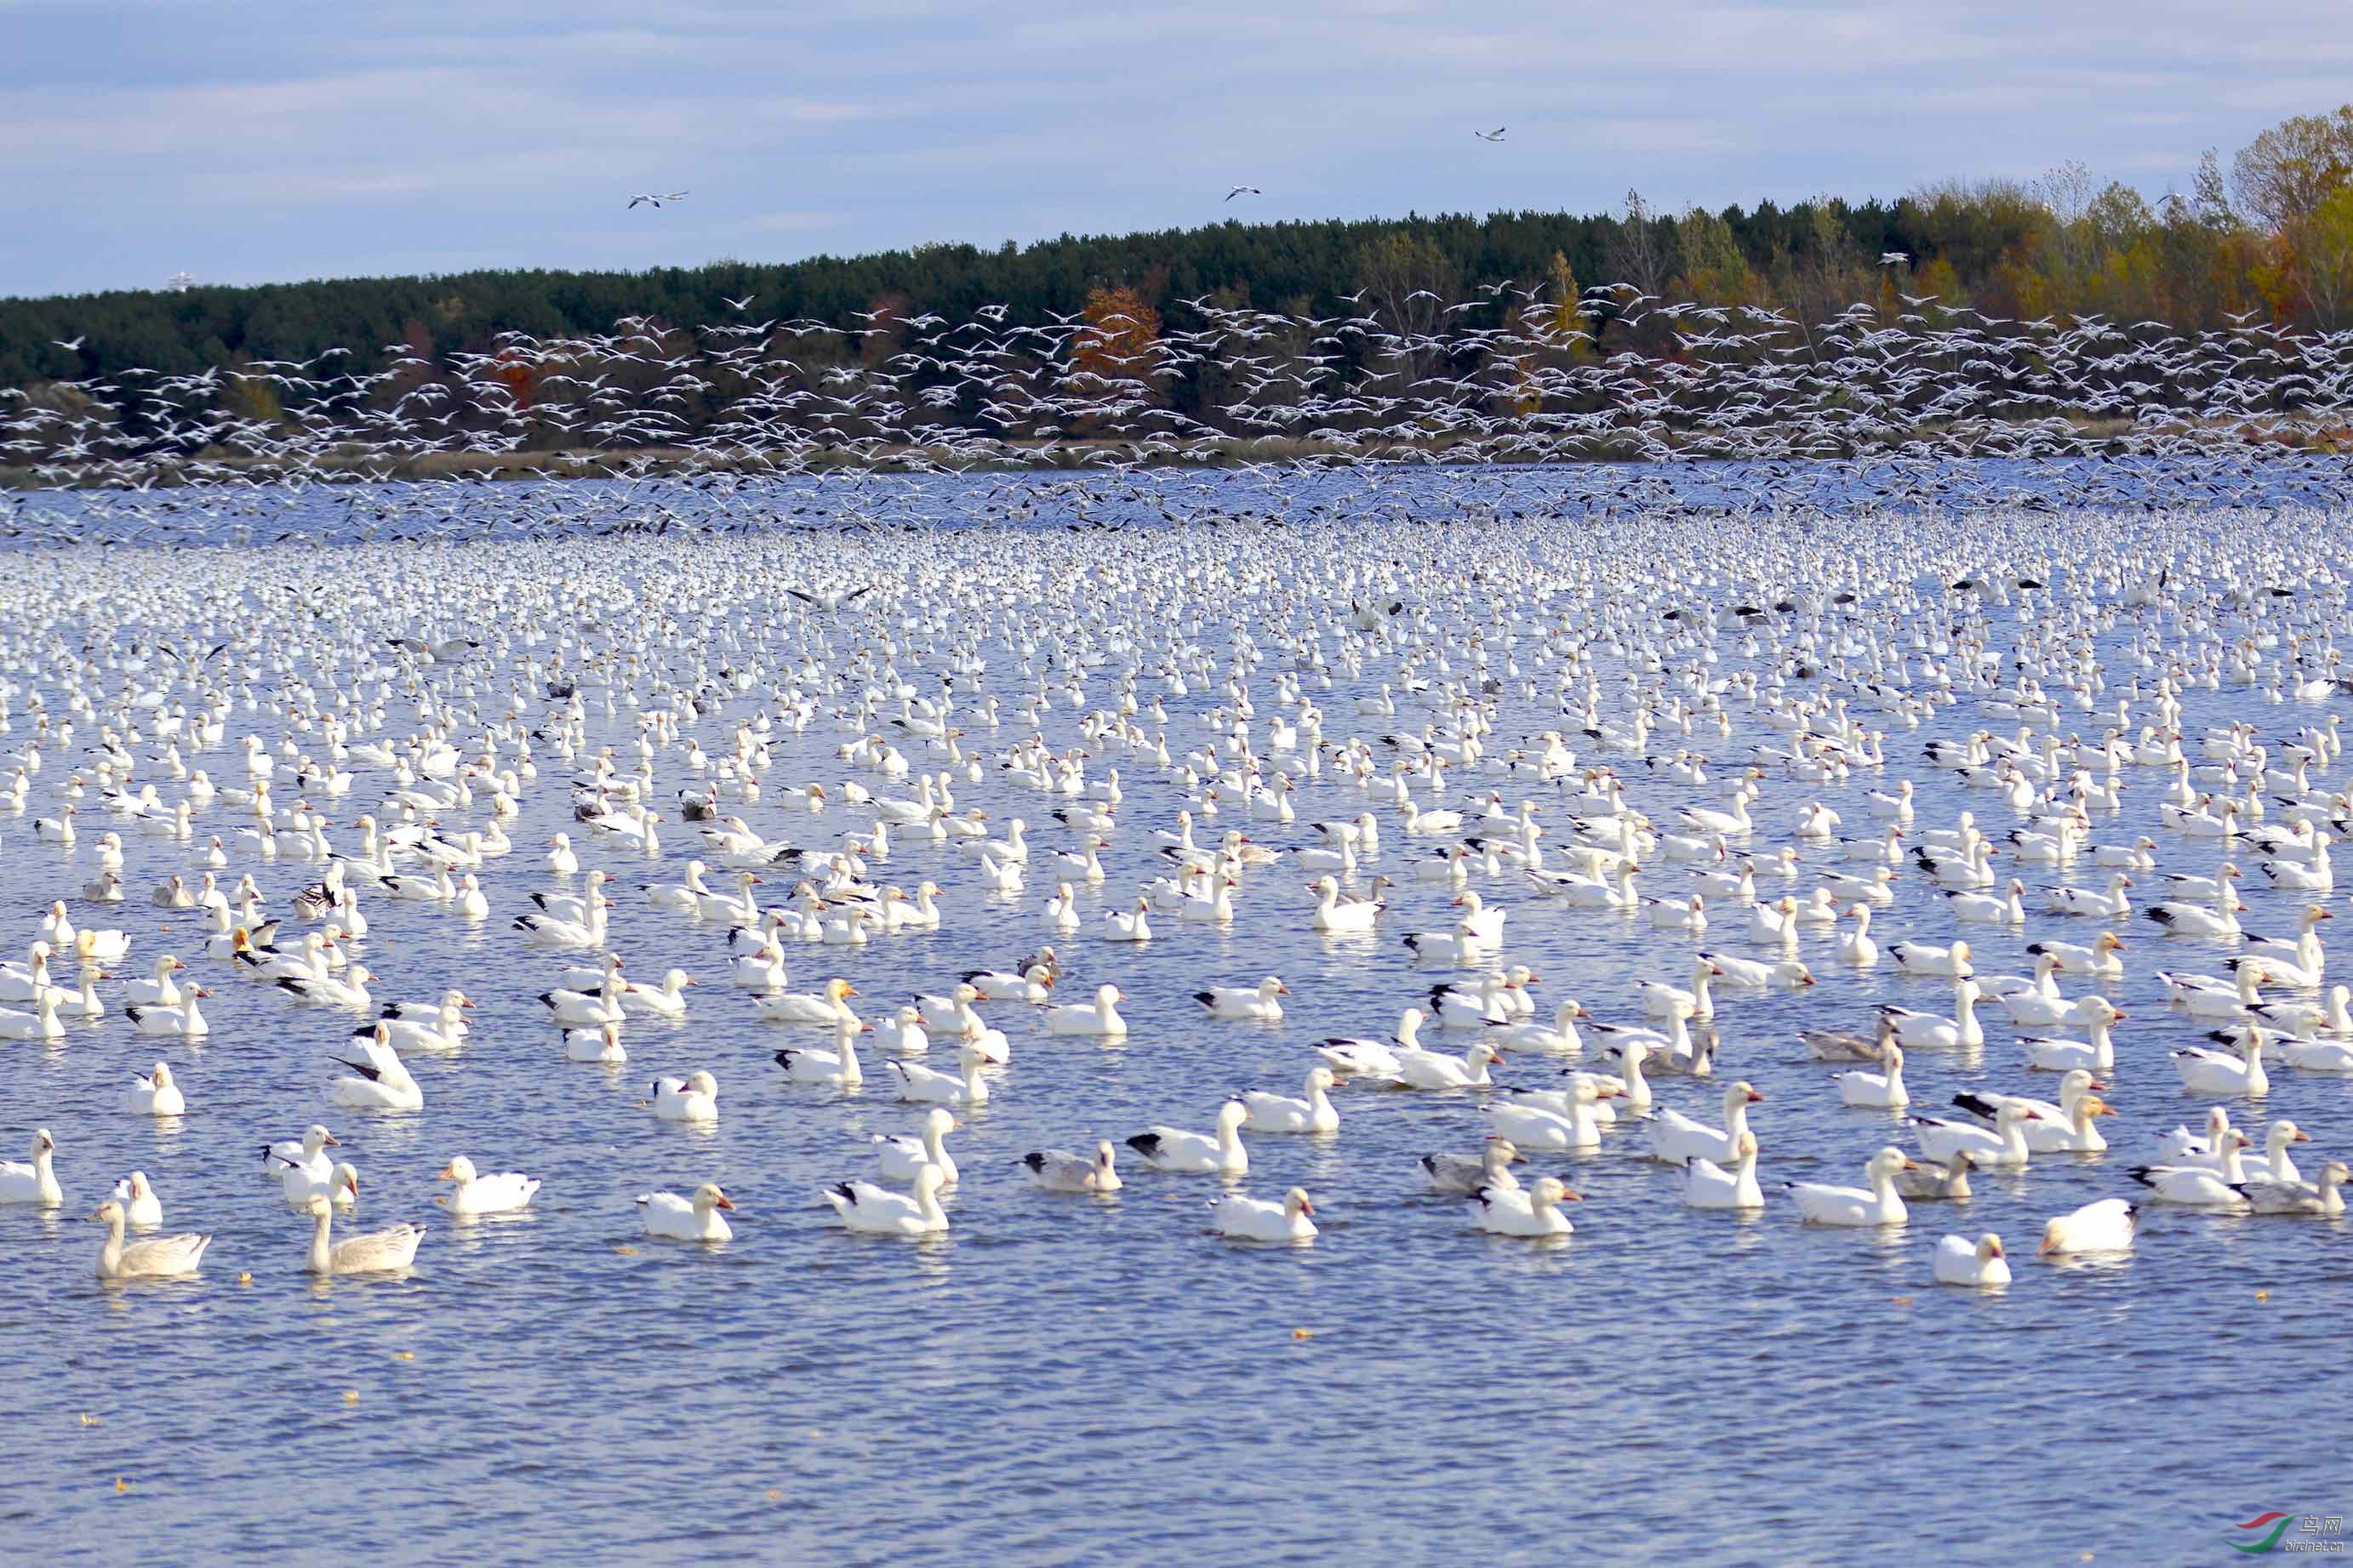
695 1098
837 1067
1281 1113
1194 1154
1241 1219
1979 1263
1059 1171
878 1211
1875 1205
378 1252
157 1258
921 1085
696 1218
1675 1138
1532 1212
506 1192
156 1093
1709 1185
2105 1226
1233 1002
902 1154
1100 1017
35 1182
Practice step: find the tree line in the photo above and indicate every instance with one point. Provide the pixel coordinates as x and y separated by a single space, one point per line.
2268 237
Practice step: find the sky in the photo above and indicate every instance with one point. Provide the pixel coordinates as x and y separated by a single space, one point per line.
252 141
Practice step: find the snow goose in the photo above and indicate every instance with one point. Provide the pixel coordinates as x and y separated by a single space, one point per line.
921 1085
601 1044
160 990
1675 1138
695 1098
837 1067
1242 1002
1357 1058
1281 1113
1755 974
1660 1000
381 1082
2004 1147
2194 920
1059 1171
1709 1185
1533 1211
1465 1174
2192 1187
2110 905
2309 1054
878 1211
2069 1126
1857 948
379 1252
505 1192
1195 1154
1875 1205
140 1206
1034 983
2099 959
156 1094
186 1020
35 1182
674 1218
1923 958
1121 925
2105 1225
2320 1199
665 1000
161 1256
2301 963
1574 1128
1979 1263
2097 1053
1924 1031
40 1024
1838 1046
1880 1090
1929 1181
1986 909
1241 1219
1099 1017
2240 1071
902 1154
1430 1069
1558 1038
827 1006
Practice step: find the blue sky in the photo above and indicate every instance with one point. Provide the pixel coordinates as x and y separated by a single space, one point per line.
252 141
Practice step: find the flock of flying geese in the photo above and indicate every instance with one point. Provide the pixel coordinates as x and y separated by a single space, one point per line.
1505 374
1340 716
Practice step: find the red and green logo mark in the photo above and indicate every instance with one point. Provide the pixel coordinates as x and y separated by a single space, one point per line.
2277 1521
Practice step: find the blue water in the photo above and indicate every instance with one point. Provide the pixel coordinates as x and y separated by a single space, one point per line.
1071 1380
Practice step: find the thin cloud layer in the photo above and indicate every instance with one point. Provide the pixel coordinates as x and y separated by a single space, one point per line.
245 143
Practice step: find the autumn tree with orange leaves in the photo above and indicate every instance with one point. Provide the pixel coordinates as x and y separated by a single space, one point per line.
1116 357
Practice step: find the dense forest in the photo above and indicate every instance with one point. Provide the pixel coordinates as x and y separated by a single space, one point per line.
830 346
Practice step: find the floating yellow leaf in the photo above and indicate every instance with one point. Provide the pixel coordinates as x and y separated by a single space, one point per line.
121 1485
87 1419
1302 1333
404 1355
351 1396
